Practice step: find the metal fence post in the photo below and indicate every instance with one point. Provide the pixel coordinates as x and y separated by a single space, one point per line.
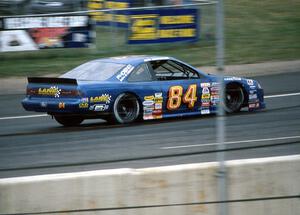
222 180
112 31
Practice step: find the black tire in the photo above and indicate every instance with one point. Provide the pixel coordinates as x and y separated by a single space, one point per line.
126 109
69 121
234 98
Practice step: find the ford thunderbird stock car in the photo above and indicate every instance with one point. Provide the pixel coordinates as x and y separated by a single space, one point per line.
129 88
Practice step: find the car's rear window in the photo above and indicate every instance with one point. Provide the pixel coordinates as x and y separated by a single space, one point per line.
94 70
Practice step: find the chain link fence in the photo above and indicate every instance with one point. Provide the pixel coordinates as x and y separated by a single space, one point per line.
255 31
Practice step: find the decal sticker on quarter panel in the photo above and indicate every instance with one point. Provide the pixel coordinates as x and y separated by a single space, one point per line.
152 106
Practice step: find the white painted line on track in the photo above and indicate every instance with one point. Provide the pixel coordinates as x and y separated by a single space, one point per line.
282 95
22 117
233 142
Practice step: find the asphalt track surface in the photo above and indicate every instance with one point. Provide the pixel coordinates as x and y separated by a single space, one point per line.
38 145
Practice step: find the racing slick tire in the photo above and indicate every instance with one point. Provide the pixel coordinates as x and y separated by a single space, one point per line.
234 98
126 109
68 121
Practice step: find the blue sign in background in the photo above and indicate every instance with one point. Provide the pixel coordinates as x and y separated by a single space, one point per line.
113 18
149 26
164 25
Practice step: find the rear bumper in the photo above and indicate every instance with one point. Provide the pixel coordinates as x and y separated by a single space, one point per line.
66 106
55 106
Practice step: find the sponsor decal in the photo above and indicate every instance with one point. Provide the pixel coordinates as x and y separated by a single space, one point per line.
148 111
158 94
215 88
205 104
254 105
253 96
148 116
44 104
125 72
150 108
250 82
149 98
99 107
205 96
205 90
232 79
214 93
215 101
104 98
252 87
205 85
84 105
61 105
157 112
215 84
158 100
158 106
153 106
157 117
84 100
205 100
52 91
215 97
205 111
148 103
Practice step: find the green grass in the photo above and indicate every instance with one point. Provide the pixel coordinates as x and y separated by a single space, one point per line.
255 31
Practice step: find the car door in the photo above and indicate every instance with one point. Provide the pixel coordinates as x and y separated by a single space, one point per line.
184 90
143 83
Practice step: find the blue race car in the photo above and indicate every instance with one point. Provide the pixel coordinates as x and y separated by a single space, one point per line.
125 89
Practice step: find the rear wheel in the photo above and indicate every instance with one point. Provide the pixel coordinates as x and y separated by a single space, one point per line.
68 120
126 109
234 98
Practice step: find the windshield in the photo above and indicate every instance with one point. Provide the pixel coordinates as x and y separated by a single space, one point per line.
94 70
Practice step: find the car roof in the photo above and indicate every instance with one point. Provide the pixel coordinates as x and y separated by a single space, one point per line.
133 59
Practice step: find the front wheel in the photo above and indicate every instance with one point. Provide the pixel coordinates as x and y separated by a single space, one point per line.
126 109
68 120
234 98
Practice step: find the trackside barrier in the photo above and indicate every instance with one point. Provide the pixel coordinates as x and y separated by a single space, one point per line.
256 186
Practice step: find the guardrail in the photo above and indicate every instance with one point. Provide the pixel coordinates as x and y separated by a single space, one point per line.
183 189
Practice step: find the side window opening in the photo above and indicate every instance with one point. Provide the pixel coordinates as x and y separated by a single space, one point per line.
171 70
141 73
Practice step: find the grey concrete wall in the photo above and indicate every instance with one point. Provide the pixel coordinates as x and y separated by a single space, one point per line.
252 178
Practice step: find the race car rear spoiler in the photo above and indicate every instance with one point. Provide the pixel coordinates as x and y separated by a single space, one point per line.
46 80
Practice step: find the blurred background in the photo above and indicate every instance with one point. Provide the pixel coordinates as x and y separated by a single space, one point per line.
255 31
